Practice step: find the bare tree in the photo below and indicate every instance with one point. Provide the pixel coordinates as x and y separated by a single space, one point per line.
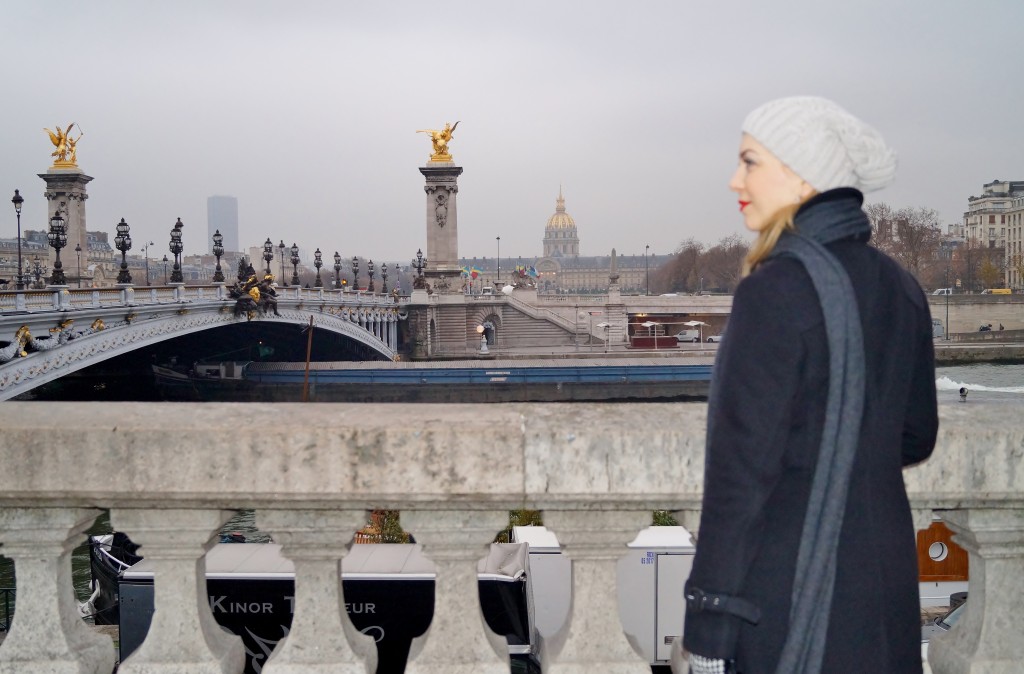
722 263
909 235
682 272
695 267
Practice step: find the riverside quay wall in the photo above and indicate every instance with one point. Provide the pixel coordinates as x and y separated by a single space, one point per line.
171 475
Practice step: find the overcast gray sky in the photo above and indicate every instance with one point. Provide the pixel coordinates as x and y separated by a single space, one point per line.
307 111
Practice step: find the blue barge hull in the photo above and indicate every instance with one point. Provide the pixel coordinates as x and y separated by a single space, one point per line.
456 381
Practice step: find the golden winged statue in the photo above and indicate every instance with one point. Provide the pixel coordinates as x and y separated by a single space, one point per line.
440 138
65 151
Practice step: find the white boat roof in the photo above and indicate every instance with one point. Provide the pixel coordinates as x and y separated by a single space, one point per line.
663 537
541 539
365 561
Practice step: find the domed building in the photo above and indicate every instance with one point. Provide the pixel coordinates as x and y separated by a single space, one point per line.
560 237
561 269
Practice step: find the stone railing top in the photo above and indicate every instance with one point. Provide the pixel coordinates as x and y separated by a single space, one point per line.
585 456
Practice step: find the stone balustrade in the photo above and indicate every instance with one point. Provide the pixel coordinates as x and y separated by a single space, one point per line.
170 474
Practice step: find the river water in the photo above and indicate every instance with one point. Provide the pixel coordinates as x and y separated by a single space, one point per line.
985 383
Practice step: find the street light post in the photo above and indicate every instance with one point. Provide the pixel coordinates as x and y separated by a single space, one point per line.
369 270
17 201
280 248
218 250
295 265
384 276
497 279
78 251
946 331
419 283
123 242
57 238
647 272
337 270
355 273
177 247
318 261
268 254
39 270
146 248
165 269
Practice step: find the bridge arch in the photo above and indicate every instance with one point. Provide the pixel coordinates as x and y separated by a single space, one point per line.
83 337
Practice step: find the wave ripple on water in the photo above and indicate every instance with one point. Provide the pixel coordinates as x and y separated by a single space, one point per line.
985 381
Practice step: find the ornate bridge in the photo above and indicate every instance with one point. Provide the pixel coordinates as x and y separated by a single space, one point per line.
47 334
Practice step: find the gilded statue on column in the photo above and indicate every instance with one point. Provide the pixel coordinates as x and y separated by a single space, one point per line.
440 139
66 147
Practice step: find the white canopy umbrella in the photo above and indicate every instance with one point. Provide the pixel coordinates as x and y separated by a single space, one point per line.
697 324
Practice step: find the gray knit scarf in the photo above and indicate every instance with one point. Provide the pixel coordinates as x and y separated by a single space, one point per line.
828 217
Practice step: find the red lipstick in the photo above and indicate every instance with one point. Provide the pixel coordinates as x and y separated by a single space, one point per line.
744 204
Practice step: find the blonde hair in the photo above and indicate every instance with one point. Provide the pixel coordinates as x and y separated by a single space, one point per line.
769 236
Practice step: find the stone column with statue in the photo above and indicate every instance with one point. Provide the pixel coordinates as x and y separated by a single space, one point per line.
66 192
442 189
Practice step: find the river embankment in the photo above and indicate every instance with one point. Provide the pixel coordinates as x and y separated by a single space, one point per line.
963 353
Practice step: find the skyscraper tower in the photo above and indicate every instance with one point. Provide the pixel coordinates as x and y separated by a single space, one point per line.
222 214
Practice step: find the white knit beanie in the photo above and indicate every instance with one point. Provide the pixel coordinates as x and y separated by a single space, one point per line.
823 144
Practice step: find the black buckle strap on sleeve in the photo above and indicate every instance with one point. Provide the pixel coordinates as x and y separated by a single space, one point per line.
698 600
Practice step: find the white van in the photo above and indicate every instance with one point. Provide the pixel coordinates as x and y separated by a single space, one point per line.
943 291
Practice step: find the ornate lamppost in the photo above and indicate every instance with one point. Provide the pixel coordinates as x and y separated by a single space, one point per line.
268 254
176 248
57 238
318 261
295 265
369 270
418 264
17 201
78 251
39 271
355 273
280 249
218 250
123 242
337 270
384 276
146 249
165 270
497 280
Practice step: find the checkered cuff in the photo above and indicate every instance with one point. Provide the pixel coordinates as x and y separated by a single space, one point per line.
701 665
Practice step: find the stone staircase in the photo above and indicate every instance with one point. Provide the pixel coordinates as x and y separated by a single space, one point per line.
452 336
518 329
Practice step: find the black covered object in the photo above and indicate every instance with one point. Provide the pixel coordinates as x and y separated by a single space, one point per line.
393 608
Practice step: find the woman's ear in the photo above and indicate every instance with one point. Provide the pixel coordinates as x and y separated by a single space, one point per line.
805 191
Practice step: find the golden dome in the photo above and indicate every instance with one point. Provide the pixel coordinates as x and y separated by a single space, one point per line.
561 219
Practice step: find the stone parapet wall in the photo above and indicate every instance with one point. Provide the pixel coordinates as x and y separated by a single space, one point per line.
172 474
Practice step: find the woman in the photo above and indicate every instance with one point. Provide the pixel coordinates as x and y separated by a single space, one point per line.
823 391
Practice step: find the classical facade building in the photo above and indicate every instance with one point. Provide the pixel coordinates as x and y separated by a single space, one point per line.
988 223
985 218
561 269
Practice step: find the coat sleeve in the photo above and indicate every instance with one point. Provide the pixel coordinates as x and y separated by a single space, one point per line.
921 418
758 370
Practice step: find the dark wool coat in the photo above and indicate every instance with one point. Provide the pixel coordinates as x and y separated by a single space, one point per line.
766 419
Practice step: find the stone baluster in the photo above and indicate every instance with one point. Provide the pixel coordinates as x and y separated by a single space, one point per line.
987 639
183 637
592 639
315 541
47 634
458 640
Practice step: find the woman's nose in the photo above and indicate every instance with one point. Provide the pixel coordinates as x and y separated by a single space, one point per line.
736 183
